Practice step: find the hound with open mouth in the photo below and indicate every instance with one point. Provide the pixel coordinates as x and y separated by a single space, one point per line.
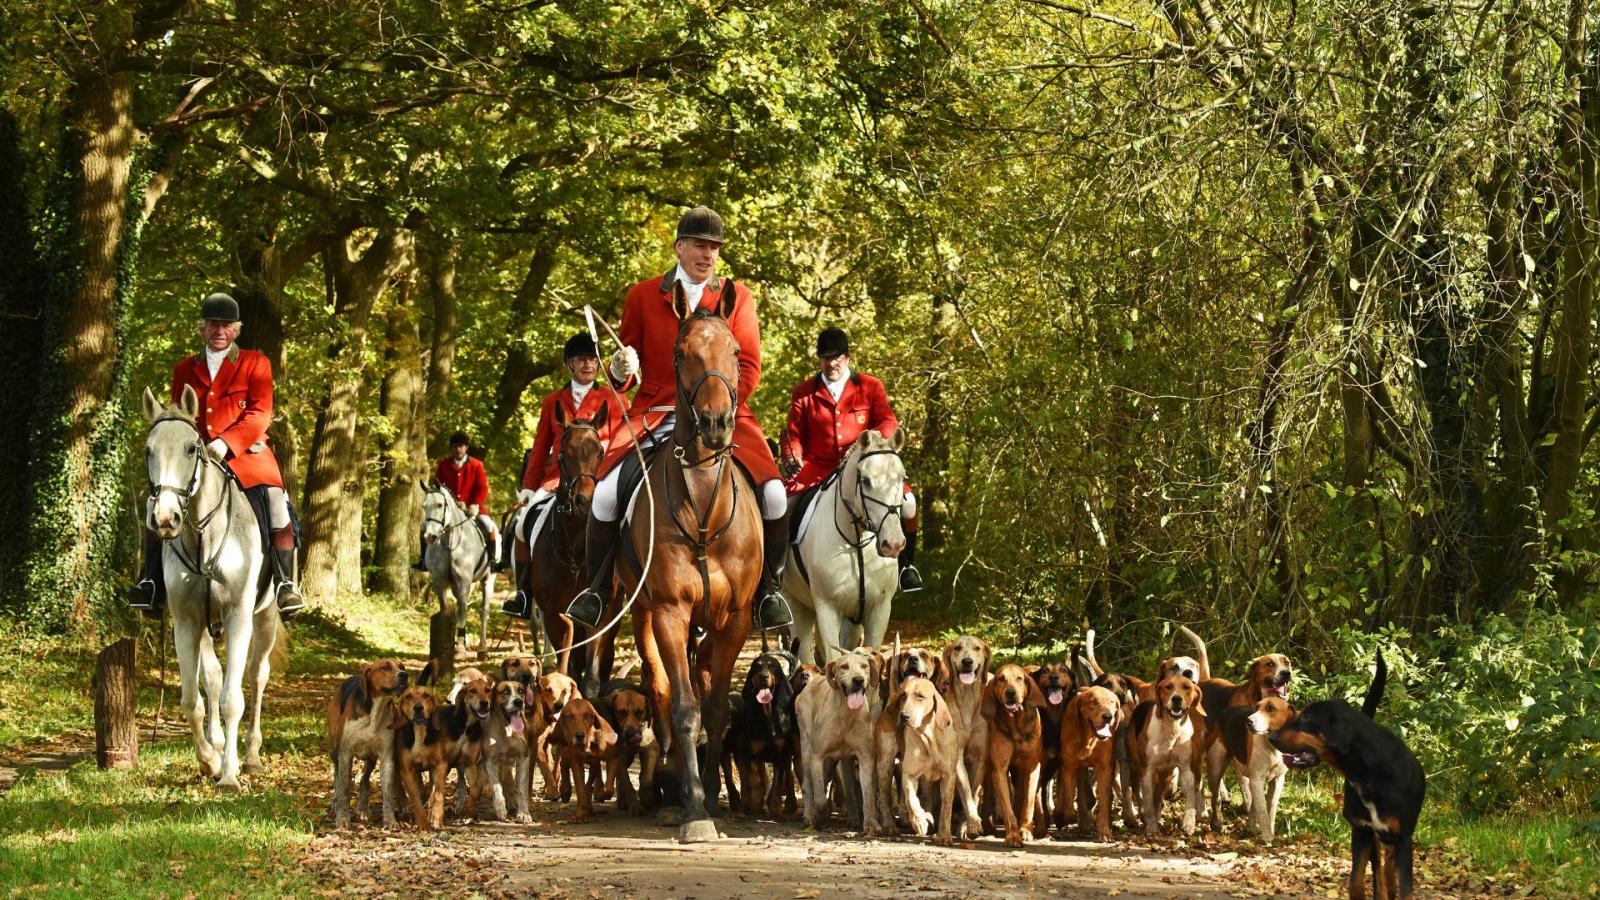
1165 734
966 674
1058 684
1243 733
508 749
836 714
1088 741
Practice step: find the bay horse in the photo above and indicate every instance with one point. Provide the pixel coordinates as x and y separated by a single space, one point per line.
835 583
706 563
555 569
211 561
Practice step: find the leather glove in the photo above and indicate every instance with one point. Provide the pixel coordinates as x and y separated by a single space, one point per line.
472 509
790 466
624 363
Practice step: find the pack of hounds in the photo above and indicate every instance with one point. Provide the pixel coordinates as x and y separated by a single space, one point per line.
883 737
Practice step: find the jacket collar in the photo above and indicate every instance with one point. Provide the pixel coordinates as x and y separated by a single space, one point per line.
713 287
230 364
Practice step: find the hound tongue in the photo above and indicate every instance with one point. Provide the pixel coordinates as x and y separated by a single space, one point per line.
1279 691
969 677
1013 707
855 699
764 696
1103 731
516 724
1054 697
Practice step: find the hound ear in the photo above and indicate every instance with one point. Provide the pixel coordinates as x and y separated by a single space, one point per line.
1338 735
680 300
941 713
941 672
150 406
987 709
892 711
829 669
1036 696
190 402
988 655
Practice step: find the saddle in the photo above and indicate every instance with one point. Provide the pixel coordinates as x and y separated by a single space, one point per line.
800 516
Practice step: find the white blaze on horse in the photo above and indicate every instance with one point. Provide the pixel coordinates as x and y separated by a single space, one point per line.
457 556
213 564
845 573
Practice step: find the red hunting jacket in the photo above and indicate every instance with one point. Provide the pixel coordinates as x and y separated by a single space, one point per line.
542 470
468 483
650 327
820 430
236 407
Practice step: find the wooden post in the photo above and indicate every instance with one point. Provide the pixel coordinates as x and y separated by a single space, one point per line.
442 642
116 732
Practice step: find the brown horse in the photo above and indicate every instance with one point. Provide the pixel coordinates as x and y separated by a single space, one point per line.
555 569
706 562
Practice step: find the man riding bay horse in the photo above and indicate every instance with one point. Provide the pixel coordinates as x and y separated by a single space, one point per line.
645 364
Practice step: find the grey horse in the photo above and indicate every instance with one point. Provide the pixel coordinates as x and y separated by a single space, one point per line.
457 557
212 563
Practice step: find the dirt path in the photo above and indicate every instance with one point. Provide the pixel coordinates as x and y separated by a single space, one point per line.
621 856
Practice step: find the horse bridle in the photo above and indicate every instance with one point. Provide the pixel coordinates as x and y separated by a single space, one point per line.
445 528
678 449
863 521
565 491
184 494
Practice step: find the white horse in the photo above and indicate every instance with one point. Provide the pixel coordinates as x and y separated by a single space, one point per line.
457 556
212 564
839 586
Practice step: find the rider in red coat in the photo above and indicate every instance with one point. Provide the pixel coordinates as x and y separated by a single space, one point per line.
826 415
463 476
541 472
649 333
235 390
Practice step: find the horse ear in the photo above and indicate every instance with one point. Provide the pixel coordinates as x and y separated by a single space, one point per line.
680 301
598 420
729 295
561 415
898 441
150 406
190 402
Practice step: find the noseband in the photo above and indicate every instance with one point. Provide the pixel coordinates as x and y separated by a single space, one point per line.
185 493
863 520
569 485
694 391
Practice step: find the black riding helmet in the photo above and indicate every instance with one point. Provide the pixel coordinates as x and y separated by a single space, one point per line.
580 344
459 439
700 223
832 342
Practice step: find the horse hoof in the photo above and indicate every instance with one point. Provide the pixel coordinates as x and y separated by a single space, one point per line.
669 816
253 767
229 785
698 831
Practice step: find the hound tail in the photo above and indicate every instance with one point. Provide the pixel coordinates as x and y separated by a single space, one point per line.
1199 648
1088 654
1369 704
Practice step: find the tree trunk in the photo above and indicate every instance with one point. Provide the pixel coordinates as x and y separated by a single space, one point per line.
440 259
934 466
22 310
116 731
520 366
442 640
79 444
400 458
352 516
359 280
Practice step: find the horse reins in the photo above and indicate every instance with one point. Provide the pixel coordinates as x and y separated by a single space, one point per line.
863 525
448 530
702 523
202 565
564 494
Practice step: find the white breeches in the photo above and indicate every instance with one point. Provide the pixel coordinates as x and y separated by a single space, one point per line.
277 510
908 506
774 499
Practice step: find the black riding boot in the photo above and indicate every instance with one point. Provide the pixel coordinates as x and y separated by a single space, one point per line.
520 606
599 549
910 578
422 552
149 594
290 603
772 610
